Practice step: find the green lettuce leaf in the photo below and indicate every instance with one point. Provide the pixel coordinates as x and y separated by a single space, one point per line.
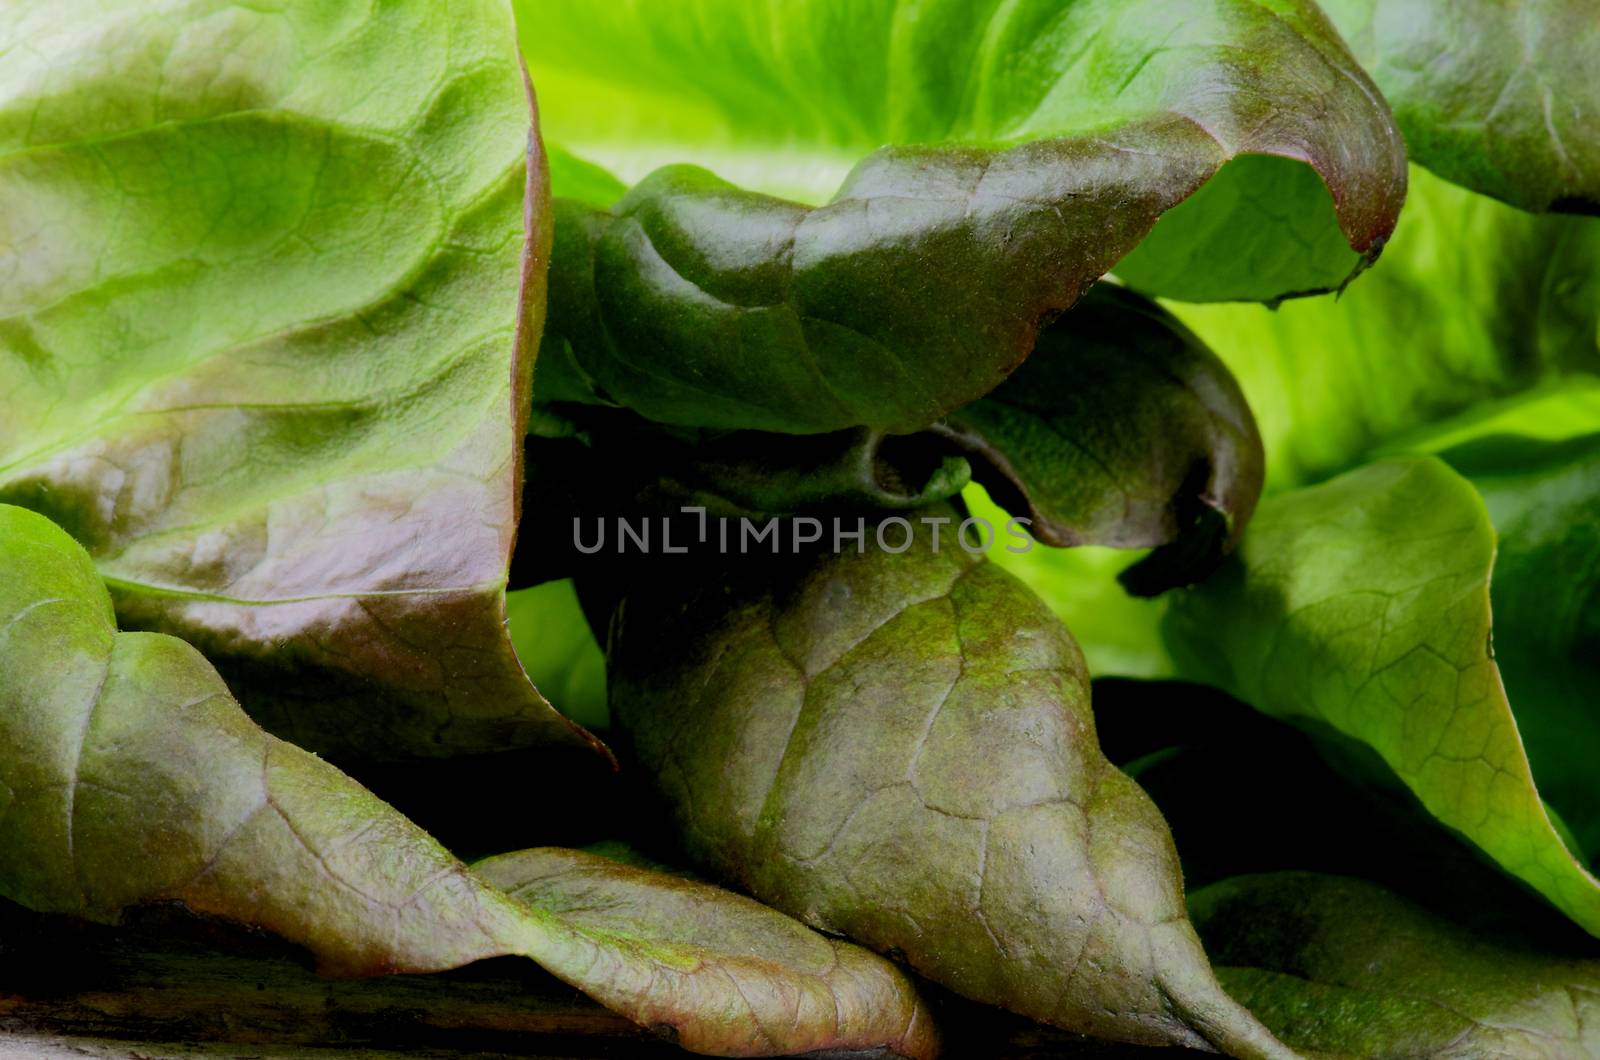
582 180
262 348
1363 604
1402 361
1544 500
1432 331
557 648
1500 98
128 774
1343 968
1560 410
1121 429
1246 793
923 277
812 723
786 100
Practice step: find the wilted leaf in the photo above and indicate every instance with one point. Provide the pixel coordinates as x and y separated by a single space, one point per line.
1363 603
128 774
262 348
1121 429
898 748
1342 968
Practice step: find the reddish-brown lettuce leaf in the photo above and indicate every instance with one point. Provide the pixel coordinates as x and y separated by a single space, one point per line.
811 279
128 774
899 748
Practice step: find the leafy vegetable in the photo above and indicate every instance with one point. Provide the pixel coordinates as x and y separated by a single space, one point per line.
1363 603
923 281
1499 98
1544 499
1119 633
1560 410
556 647
1342 968
1429 336
1122 429
130 775
271 279
1246 793
262 346
786 100
813 724
1430 333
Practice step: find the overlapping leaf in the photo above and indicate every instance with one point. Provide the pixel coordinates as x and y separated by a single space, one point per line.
775 986
129 774
814 726
268 276
1343 968
1363 604
682 489
1434 330
1544 499
1121 429
1429 335
557 648
1245 793
1500 98
1031 152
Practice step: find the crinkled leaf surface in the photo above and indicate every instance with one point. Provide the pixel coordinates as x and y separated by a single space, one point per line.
1121 429
1434 329
1501 98
129 774
1031 148
1343 968
1363 603
262 347
898 748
